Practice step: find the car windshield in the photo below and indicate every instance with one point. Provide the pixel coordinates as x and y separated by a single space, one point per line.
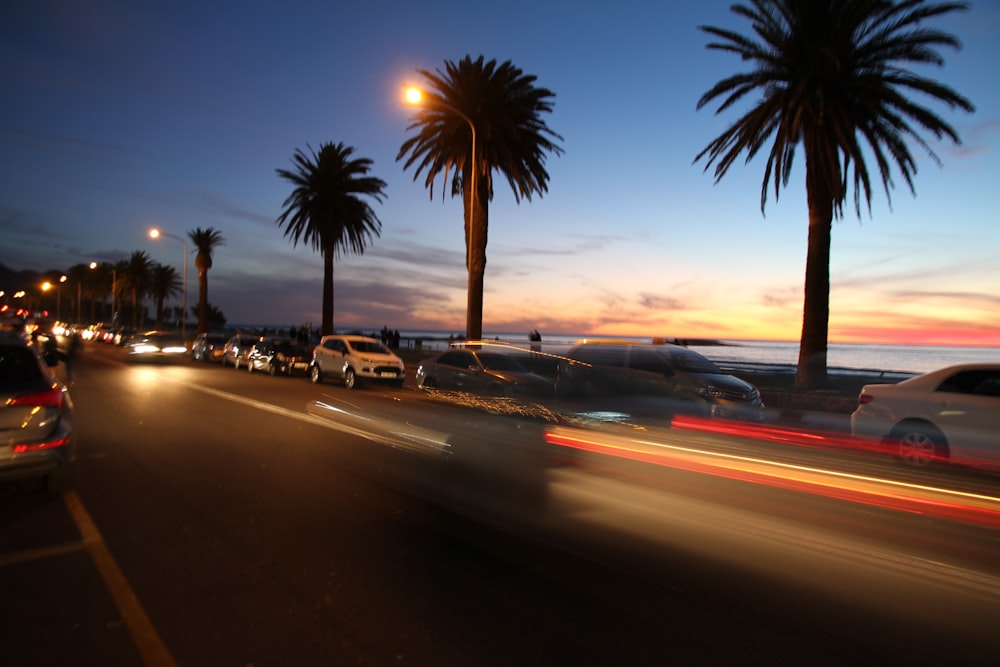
500 362
690 362
369 346
18 365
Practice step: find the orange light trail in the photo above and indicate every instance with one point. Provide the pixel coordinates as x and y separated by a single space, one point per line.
889 494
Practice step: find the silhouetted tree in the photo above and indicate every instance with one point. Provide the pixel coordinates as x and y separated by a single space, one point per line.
205 242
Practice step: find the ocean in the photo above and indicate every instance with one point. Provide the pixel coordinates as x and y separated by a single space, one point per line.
851 356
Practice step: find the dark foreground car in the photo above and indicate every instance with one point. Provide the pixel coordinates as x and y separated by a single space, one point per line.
208 347
36 418
947 415
683 380
482 372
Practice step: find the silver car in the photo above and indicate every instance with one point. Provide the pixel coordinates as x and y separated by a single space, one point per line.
36 418
951 414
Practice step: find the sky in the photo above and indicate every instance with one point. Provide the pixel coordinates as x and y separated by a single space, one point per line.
118 116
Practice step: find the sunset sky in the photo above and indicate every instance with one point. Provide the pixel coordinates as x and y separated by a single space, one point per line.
119 116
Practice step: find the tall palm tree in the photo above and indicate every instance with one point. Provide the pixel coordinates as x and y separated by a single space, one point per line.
205 242
163 283
496 109
135 280
833 76
328 208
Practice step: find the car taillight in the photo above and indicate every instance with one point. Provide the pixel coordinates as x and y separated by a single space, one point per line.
865 399
53 398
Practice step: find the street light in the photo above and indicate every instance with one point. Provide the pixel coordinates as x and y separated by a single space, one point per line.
415 97
155 233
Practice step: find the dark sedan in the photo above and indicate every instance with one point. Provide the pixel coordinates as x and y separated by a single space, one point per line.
481 372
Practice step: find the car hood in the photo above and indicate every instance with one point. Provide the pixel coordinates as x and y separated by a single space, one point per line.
519 377
732 388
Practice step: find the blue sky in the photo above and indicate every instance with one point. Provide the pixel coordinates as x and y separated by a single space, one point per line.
121 116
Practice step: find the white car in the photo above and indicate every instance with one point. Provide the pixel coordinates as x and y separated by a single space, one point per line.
355 359
951 414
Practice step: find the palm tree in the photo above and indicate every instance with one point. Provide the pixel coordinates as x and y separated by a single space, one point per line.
205 242
832 76
163 283
498 110
327 208
135 280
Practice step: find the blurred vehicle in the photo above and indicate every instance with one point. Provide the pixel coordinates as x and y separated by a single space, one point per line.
278 356
208 347
354 359
36 418
237 349
951 414
155 346
482 372
688 380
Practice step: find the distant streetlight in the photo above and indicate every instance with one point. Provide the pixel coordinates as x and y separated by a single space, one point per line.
79 295
415 97
155 233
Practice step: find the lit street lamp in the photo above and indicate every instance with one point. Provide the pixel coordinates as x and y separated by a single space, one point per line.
155 233
414 96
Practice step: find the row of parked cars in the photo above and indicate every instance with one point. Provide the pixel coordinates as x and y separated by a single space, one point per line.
952 414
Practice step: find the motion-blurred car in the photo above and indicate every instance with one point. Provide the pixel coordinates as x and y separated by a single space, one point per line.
951 414
36 418
278 356
689 381
208 347
237 349
155 346
355 359
482 372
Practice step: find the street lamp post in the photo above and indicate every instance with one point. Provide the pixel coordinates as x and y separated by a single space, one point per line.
79 294
155 234
414 96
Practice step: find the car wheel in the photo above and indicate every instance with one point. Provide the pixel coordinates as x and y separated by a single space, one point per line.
272 370
249 366
351 379
236 363
316 375
919 444
429 383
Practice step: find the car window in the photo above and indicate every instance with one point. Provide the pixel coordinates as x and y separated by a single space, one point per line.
456 358
18 365
988 387
602 355
968 382
334 344
369 346
500 362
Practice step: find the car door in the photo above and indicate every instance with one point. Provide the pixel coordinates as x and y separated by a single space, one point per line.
454 371
332 353
650 373
967 410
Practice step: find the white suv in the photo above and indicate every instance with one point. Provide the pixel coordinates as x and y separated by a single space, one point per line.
355 359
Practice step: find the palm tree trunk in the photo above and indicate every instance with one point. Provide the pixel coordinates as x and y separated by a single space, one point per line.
327 327
812 367
477 222
202 301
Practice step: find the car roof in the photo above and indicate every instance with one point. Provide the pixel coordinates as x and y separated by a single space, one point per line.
350 337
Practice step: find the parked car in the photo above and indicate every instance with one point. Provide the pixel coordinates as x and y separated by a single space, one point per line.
237 349
278 355
36 418
355 359
483 372
155 346
691 382
951 414
208 347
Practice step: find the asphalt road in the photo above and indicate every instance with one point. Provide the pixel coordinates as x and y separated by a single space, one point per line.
223 518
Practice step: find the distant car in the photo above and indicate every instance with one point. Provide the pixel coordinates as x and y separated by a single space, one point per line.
237 349
482 371
276 356
36 418
951 414
208 347
355 359
689 381
155 346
